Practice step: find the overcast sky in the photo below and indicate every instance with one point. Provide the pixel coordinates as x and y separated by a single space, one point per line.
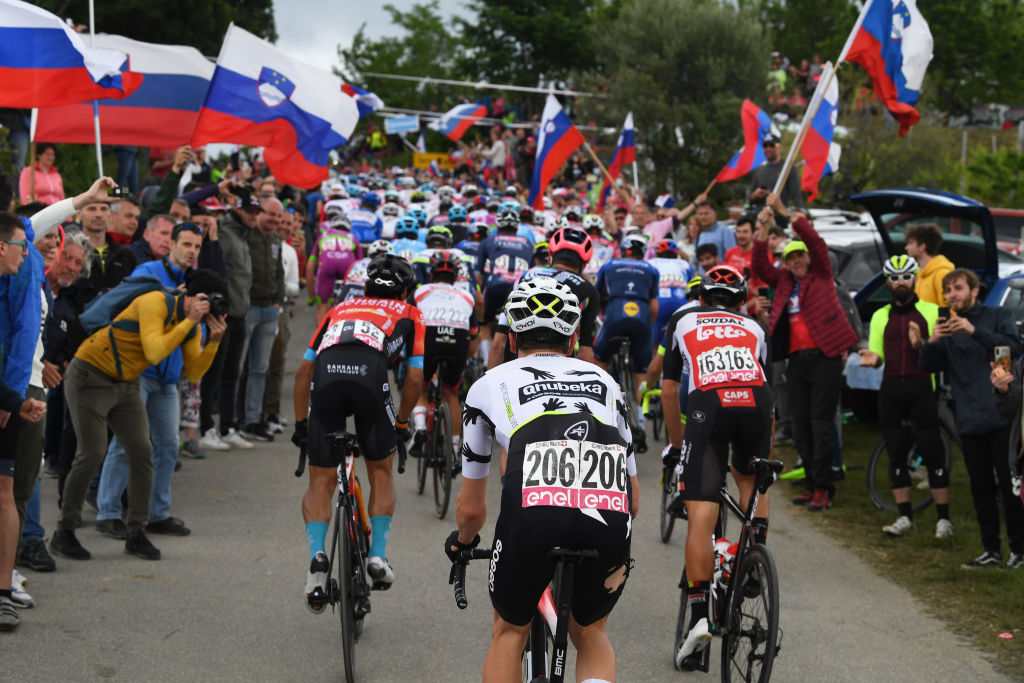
311 30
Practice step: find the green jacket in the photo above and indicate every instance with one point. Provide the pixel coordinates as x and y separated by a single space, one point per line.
231 232
267 268
880 321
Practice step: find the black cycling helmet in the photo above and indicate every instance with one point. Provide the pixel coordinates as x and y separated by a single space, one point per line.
389 276
723 286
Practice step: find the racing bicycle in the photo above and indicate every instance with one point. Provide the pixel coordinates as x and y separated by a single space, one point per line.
744 601
438 454
620 367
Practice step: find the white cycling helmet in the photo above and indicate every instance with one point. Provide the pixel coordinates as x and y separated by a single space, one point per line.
593 222
900 264
379 247
543 302
391 209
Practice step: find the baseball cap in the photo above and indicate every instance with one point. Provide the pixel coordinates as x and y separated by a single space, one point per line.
770 139
248 203
213 204
793 247
664 201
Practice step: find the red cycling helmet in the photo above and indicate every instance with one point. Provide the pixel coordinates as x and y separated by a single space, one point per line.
574 240
666 248
443 261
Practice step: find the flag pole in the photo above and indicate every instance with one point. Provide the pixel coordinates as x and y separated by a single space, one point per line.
812 111
597 161
95 104
32 157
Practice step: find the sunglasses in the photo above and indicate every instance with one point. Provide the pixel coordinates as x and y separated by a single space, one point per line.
23 244
182 227
906 277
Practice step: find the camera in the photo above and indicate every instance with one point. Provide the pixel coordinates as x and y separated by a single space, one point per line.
119 192
218 304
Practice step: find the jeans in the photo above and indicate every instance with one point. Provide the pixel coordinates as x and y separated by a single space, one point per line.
18 140
127 167
161 401
33 527
28 456
272 400
260 330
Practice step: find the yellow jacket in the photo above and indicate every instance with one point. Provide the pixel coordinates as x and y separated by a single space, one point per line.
153 342
929 280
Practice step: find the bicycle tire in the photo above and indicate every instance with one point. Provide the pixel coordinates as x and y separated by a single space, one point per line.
752 619
535 660
681 619
421 473
658 423
362 547
668 520
346 592
441 448
878 475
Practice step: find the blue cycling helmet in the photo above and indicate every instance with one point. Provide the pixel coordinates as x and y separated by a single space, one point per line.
407 226
509 204
419 214
458 214
370 199
353 190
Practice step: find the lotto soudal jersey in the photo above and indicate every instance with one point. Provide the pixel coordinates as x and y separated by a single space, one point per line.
503 257
717 348
384 325
445 305
562 422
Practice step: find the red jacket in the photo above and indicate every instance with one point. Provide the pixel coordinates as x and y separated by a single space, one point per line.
819 304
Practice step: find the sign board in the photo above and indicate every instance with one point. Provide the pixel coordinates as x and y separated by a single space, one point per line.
401 124
422 160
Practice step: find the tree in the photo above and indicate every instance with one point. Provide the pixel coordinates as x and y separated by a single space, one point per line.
803 28
199 23
680 64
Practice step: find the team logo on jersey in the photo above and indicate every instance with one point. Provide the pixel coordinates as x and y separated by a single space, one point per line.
538 374
736 398
631 308
698 416
578 432
596 391
345 369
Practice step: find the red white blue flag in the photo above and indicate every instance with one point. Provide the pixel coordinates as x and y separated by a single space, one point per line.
819 152
557 140
161 113
892 42
43 63
625 153
261 97
433 169
366 101
756 126
456 121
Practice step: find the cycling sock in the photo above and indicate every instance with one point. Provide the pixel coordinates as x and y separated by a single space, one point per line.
380 527
485 350
419 418
943 510
596 680
5 593
905 510
698 597
456 442
316 532
760 528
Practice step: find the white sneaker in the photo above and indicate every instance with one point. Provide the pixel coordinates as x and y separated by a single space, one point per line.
211 441
275 425
236 440
696 640
381 573
19 596
316 582
901 527
944 529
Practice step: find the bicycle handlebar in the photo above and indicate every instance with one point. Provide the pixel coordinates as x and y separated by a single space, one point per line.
302 462
458 574
401 456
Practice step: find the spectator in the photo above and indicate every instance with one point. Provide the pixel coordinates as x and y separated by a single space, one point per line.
155 243
741 256
707 256
764 177
127 167
712 232
16 121
923 241
963 345
111 262
103 392
180 211
48 186
797 103
807 327
1007 393
124 220
496 153
275 378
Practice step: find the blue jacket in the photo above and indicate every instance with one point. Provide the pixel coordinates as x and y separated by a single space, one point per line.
21 298
167 371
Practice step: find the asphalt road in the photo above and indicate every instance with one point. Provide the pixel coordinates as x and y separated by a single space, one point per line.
226 603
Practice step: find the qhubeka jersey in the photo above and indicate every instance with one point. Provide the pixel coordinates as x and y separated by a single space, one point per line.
385 326
718 349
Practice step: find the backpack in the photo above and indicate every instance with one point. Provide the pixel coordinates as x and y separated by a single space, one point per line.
102 310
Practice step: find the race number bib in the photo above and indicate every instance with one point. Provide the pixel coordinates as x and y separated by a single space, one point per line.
726 364
369 334
575 474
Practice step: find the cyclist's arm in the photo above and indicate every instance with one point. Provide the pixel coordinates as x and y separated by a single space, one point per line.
303 381
654 309
311 275
471 508
670 406
477 440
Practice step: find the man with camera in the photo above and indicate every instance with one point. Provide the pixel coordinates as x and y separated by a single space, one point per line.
158 388
102 387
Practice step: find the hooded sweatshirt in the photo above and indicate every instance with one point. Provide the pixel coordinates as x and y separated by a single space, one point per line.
929 280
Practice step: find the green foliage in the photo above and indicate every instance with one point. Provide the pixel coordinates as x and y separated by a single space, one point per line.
996 178
802 28
199 23
679 64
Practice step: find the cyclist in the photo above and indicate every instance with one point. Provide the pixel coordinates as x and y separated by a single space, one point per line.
474 240
366 224
407 243
389 215
355 278
654 369
342 373
450 319
604 245
440 238
458 223
541 254
675 273
503 256
907 393
725 355
335 251
527 405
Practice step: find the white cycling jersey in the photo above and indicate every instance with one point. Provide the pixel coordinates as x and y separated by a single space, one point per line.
445 305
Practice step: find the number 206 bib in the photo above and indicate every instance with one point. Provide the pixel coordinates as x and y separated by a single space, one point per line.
575 474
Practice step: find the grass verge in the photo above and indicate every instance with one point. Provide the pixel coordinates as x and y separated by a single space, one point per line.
980 604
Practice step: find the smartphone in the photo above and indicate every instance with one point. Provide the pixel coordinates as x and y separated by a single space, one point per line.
943 314
119 192
1002 357
762 291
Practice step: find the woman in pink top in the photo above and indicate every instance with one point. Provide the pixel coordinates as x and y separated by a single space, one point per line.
49 188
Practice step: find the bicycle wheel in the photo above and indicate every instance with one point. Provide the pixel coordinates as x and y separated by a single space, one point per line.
920 495
343 530
441 458
658 422
750 640
668 520
682 621
421 472
536 653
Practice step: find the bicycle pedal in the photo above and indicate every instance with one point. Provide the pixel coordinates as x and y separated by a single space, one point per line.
380 585
317 600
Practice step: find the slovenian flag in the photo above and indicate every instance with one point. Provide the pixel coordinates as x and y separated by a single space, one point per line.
261 97
557 140
819 152
455 122
625 153
161 113
433 169
43 63
892 42
366 101
756 125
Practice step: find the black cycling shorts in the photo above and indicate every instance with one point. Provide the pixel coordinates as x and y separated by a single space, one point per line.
716 419
495 295
352 381
452 346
